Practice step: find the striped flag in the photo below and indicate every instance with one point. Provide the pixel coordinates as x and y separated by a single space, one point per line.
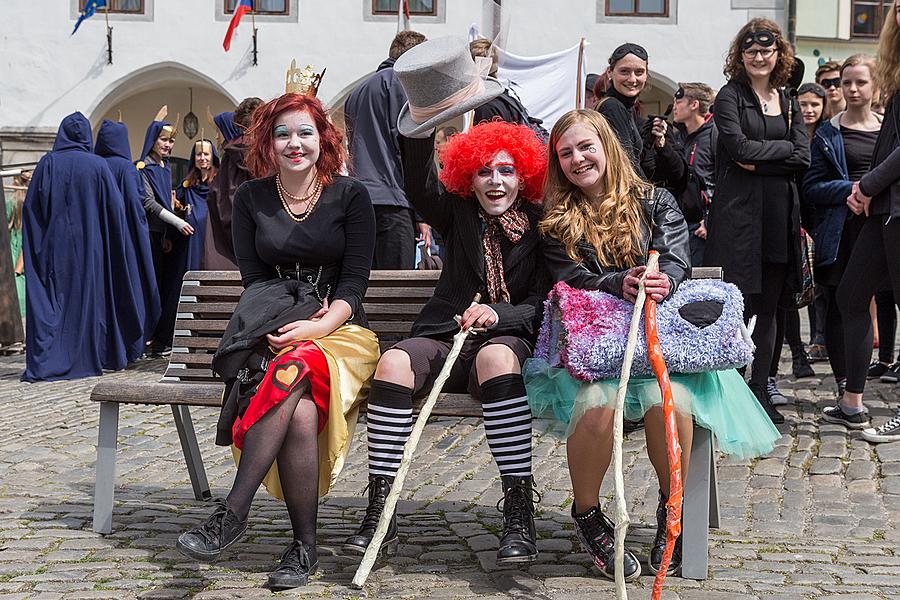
402 15
243 7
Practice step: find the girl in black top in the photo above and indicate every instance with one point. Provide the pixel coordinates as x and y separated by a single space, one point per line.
754 224
301 221
874 259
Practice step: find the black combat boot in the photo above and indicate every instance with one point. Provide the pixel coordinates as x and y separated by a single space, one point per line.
659 542
518 544
379 487
763 398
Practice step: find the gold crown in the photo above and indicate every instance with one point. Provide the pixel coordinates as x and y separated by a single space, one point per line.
304 81
169 130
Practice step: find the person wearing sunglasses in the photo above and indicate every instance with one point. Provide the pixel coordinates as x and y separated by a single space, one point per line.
828 75
649 144
754 223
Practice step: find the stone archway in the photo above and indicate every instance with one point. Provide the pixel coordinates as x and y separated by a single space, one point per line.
658 94
141 93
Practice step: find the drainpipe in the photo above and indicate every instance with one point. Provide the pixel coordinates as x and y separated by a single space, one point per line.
791 8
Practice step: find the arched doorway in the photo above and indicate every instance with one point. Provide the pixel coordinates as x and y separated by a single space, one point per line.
658 94
139 95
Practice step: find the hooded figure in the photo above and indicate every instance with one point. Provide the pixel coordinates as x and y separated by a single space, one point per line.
225 122
193 192
82 290
233 172
112 145
168 242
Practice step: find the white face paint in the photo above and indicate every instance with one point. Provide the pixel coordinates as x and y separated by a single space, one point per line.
496 184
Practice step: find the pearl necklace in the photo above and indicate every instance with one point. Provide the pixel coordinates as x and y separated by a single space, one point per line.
313 200
284 191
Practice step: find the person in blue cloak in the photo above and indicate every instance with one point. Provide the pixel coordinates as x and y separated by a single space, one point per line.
192 193
168 228
112 145
81 271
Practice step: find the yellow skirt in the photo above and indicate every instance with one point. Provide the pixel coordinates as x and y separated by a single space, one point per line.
352 354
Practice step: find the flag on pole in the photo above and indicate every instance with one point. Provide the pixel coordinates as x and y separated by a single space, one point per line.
402 15
90 7
242 8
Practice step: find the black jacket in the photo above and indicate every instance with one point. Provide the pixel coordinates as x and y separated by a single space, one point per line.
662 229
883 181
699 152
373 140
735 218
457 220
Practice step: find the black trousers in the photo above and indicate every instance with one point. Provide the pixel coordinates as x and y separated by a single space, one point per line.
885 305
765 306
395 238
875 260
170 250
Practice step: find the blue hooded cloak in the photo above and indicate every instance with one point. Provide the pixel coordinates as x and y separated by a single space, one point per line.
112 145
225 122
195 197
160 177
82 315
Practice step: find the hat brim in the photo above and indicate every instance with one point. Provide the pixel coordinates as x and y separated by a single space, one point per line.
409 128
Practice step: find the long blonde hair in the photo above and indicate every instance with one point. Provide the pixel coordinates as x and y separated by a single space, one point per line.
610 223
887 73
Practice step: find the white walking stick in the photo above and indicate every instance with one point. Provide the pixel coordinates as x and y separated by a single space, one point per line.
390 503
622 520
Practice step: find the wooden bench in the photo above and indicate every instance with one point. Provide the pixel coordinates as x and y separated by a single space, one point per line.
392 302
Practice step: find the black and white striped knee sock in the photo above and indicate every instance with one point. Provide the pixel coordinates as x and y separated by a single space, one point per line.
507 423
388 426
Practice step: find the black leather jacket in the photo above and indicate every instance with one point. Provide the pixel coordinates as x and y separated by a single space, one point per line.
663 229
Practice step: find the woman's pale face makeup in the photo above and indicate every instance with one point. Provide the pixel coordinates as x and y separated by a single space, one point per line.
811 107
757 65
629 75
582 159
857 86
163 145
496 184
296 141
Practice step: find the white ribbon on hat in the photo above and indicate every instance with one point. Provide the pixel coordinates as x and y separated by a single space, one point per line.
421 114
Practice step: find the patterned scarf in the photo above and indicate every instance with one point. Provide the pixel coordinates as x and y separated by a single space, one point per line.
513 224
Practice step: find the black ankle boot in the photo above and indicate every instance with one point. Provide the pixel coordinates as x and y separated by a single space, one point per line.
659 542
517 545
298 562
221 529
763 398
379 487
800 366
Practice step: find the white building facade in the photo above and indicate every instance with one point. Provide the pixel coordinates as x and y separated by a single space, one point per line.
165 51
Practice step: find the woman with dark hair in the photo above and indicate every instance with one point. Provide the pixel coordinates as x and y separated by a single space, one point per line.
874 260
754 224
291 406
192 195
841 153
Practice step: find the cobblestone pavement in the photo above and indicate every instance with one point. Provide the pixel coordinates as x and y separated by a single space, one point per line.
817 518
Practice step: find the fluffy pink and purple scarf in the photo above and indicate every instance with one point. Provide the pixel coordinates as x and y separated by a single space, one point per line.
701 328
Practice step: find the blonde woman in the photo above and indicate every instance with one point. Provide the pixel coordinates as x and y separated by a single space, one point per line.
874 261
600 222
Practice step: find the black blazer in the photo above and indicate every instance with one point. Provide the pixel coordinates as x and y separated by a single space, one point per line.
735 217
458 222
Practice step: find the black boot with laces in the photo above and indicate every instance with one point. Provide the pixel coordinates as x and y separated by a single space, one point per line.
222 529
379 487
659 542
596 533
518 543
298 562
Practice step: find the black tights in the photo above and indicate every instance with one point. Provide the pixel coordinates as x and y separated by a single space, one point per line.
887 324
764 306
787 326
287 432
873 261
834 334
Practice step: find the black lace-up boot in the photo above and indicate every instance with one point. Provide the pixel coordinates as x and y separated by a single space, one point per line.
379 486
659 542
762 397
298 562
221 530
517 545
596 533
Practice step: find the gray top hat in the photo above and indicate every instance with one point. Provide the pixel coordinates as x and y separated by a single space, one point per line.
433 72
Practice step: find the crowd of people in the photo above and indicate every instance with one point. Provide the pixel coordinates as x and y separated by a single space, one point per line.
735 181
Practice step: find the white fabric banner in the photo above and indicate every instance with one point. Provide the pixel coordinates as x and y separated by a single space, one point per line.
547 85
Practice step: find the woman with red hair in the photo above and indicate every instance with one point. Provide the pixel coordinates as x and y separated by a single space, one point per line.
487 213
296 353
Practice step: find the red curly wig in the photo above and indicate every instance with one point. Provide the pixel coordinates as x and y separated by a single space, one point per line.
467 152
261 158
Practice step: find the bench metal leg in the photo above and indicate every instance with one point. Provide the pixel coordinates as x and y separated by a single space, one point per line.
713 487
191 451
104 484
700 503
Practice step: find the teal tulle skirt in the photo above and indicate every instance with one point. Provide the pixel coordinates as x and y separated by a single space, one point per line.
718 400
